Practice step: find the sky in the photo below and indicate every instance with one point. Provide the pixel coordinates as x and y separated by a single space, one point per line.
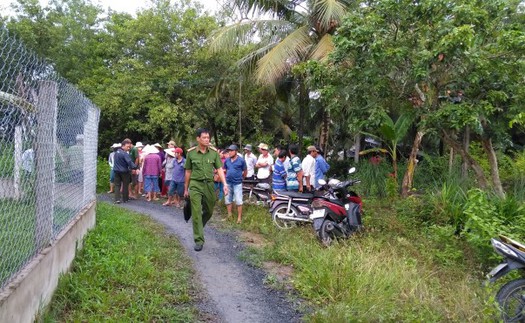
129 6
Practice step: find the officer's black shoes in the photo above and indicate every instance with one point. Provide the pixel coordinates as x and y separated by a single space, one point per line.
198 247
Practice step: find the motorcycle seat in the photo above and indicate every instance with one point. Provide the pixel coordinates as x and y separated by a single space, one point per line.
297 194
513 243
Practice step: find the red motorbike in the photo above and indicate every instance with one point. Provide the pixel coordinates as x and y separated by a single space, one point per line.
337 213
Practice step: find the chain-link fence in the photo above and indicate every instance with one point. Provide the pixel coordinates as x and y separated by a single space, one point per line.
48 149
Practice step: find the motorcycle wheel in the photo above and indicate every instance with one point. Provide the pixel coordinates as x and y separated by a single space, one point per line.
325 235
250 199
283 210
511 299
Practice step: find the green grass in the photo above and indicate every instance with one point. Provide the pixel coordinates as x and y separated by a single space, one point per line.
17 236
7 159
17 221
130 270
397 270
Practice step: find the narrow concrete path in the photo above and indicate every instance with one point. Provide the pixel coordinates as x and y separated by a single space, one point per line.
236 290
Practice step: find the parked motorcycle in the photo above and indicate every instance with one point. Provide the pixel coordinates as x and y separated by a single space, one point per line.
289 208
511 296
337 214
255 192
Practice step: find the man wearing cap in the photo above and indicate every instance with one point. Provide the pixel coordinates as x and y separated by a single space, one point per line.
250 160
201 160
264 164
308 166
236 171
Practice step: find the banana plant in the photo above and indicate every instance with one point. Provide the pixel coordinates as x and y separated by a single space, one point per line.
391 133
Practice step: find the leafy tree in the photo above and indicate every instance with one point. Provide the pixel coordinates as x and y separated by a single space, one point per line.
408 56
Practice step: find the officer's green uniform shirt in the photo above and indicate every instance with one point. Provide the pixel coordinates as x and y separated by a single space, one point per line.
201 188
202 164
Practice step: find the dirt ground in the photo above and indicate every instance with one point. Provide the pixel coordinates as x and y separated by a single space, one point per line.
232 290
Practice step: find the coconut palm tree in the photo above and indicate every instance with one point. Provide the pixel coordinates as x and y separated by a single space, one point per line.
283 34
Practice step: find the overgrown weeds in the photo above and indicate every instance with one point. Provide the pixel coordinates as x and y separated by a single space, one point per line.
399 269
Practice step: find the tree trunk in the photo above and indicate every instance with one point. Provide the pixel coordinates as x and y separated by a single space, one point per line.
357 146
303 106
482 181
466 144
451 161
408 179
324 130
494 171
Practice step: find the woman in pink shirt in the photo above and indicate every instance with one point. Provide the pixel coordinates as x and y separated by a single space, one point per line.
151 169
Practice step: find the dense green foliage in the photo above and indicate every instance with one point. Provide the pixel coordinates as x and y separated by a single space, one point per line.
129 269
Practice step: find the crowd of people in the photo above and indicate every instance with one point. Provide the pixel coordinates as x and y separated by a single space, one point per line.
205 174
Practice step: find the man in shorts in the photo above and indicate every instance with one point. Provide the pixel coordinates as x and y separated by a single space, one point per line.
176 188
236 171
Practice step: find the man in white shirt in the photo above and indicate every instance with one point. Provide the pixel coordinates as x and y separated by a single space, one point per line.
308 166
264 164
250 160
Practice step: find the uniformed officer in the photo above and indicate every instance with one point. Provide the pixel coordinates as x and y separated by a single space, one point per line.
201 160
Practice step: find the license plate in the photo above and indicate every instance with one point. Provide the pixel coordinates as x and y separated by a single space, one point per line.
318 214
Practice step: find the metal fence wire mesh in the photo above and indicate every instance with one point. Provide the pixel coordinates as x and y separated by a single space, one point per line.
48 151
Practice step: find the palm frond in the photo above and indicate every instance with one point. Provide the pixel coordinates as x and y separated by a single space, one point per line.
246 32
280 8
276 63
328 13
323 47
248 63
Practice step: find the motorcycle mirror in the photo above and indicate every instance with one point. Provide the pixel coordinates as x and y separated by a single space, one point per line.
322 182
351 170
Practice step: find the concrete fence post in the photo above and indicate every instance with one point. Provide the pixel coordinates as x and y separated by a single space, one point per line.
47 106
90 156
18 161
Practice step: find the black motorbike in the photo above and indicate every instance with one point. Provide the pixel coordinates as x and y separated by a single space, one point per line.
336 214
511 296
255 192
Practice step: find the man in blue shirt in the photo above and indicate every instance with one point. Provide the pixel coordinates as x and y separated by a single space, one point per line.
236 170
321 167
294 176
122 166
279 172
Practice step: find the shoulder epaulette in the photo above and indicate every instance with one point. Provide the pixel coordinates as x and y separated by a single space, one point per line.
192 148
212 148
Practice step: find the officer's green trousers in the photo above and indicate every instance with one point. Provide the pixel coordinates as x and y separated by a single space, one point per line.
202 197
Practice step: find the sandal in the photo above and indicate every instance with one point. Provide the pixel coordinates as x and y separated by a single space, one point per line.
166 204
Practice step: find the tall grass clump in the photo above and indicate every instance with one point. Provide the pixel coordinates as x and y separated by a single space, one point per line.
373 178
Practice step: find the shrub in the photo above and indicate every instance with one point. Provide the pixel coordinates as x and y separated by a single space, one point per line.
103 171
488 216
